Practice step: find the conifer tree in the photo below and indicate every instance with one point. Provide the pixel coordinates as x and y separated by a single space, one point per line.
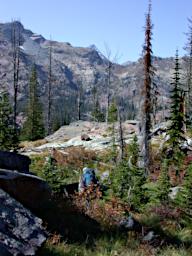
163 185
33 128
112 112
148 74
6 123
133 151
176 129
127 183
184 197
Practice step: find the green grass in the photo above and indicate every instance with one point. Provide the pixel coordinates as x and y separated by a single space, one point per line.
110 247
171 251
102 247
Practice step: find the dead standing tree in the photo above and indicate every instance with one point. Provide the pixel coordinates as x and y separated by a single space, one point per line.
147 92
188 88
79 99
49 91
121 137
109 65
16 43
108 70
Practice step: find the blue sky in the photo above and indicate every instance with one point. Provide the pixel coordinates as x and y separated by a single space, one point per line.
117 23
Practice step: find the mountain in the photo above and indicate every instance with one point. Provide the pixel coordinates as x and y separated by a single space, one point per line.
75 69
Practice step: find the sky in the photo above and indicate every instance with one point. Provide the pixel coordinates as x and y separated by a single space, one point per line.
114 24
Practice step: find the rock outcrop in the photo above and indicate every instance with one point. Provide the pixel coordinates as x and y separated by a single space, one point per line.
89 135
14 161
32 191
21 233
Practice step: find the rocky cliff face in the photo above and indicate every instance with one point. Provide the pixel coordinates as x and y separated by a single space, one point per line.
74 68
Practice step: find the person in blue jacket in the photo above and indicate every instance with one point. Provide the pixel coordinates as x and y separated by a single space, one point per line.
87 179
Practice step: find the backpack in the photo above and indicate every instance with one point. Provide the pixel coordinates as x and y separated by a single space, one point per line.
89 177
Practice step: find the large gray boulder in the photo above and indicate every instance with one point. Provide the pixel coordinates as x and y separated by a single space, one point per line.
30 190
21 233
14 161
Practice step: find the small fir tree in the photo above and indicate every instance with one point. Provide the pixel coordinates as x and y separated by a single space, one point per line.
184 197
127 184
113 112
52 175
128 181
176 129
33 128
163 185
133 151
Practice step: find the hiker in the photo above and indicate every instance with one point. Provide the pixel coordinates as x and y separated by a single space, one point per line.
87 179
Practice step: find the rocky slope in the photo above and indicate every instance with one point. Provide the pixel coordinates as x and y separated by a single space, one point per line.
21 233
89 135
75 68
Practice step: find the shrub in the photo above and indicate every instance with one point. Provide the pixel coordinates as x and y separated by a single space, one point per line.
127 184
162 187
184 197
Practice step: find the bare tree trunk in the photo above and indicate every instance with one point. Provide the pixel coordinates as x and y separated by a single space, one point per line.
16 42
183 110
49 98
108 90
121 139
79 103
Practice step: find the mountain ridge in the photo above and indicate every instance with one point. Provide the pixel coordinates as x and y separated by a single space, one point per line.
75 68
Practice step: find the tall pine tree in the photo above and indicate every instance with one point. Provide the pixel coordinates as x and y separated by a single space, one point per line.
176 129
33 128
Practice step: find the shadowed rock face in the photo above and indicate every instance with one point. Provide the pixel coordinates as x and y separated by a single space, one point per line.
21 233
31 191
13 161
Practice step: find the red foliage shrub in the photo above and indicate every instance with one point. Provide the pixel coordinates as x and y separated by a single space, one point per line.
75 157
166 212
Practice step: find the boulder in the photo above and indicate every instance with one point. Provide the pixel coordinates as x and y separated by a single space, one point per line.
32 191
21 233
174 191
149 236
85 137
129 223
14 161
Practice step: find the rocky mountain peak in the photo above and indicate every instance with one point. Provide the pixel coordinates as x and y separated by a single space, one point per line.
74 68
